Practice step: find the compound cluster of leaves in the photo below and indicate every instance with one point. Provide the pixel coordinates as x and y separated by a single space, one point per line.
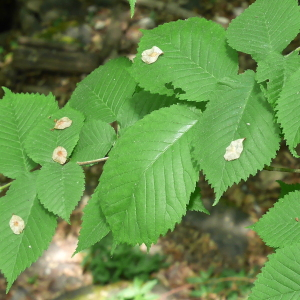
175 117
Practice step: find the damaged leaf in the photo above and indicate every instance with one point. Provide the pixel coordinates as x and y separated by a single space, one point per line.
16 224
60 155
234 150
63 123
150 56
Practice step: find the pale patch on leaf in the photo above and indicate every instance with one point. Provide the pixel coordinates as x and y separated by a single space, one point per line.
63 123
234 150
150 56
60 155
16 224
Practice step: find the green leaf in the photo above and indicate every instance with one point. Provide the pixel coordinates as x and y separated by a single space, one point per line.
277 69
195 57
279 278
235 113
101 94
140 105
60 187
42 140
279 226
148 179
19 251
196 203
132 5
287 188
19 113
94 226
265 27
96 139
288 111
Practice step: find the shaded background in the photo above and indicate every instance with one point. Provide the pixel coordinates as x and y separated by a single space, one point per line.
49 46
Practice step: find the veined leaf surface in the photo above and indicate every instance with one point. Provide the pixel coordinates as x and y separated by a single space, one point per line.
279 278
288 111
148 179
94 226
101 94
238 111
279 226
265 27
60 187
19 113
195 57
277 69
140 105
43 139
19 251
95 140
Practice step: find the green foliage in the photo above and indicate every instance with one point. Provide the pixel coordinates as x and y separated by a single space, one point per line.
125 262
239 110
151 182
175 117
19 251
101 99
266 27
19 113
138 291
182 64
42 139
279 278
132 4
228 284
279 220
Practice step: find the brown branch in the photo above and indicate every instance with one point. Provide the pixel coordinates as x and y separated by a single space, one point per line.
176 290
84 163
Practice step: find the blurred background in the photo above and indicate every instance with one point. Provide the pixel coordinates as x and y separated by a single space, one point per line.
49 46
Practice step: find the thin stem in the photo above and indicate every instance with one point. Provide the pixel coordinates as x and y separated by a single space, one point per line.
84 163
5 186
269 168
223 279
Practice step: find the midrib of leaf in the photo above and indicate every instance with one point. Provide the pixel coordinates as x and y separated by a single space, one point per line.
189 58
150 167
127 193
98 97
170 145
225 120
102 99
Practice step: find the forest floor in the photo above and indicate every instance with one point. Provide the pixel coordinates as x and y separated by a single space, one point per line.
199 243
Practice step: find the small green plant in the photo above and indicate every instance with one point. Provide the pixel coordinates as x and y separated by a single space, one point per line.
230 285
32 279
138 291
125 262
181 107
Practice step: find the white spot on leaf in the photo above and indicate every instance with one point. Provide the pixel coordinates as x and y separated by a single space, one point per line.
60 155
151 55
234 150
63 123
16 224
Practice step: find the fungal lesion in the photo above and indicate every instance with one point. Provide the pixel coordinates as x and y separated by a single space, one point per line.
16 224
